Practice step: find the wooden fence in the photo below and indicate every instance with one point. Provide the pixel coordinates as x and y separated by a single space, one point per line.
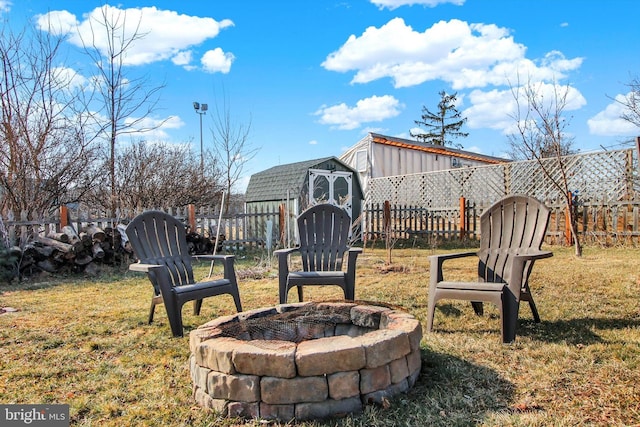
239 231
605 224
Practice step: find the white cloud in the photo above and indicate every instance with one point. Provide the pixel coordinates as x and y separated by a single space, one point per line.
608 122
217 60
313 142
394 4
497 109
166 34
152 128
373 109
182 58
462 54
59 22
70 78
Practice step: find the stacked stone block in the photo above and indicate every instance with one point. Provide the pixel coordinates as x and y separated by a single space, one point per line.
371 356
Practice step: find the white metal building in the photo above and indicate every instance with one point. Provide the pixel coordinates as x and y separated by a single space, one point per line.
376 156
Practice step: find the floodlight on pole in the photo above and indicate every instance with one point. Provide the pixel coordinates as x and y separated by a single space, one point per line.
201 109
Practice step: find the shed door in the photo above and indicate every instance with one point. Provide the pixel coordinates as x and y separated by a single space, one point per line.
334 187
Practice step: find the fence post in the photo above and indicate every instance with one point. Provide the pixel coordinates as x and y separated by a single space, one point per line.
567 221
463 219
191 215
64 216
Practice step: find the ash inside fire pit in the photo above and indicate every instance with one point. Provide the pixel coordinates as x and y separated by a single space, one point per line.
304 323
304 361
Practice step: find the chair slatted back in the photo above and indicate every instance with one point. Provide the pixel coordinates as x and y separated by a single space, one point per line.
159 238
513 225
324 234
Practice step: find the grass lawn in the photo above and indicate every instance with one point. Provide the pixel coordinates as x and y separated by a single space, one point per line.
85 342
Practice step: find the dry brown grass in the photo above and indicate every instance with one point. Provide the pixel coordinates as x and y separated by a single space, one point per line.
86 343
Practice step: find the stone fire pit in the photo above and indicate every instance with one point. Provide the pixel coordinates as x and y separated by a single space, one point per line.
305 360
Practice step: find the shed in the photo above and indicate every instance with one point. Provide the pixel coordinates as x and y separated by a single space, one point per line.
299 185
377 156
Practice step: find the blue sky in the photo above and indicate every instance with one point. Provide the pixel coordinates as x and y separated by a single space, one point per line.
313 77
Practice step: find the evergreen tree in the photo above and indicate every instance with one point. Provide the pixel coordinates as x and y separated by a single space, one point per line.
442 126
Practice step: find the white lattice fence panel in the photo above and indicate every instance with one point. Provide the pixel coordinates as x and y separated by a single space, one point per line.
603 176
485 184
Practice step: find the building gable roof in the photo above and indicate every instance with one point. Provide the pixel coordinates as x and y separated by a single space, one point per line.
273 183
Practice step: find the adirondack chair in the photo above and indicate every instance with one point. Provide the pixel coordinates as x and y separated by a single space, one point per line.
512 231
324 237
159 242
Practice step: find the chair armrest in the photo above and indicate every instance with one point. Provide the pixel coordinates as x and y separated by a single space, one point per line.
283 252
283 264
352 255
228 262
520 277
455 255
211 257
158 275
143 268
435 270
534 255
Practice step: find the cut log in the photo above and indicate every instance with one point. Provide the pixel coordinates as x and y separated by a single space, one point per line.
62 247
83 259
71 232
95 232
45 251
61 237
97 251
86 240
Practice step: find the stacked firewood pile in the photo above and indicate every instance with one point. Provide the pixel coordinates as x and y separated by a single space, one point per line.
69 251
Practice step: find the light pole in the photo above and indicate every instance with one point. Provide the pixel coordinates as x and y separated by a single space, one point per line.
201 109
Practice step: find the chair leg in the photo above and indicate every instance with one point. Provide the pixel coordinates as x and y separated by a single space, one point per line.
510 307
283 291
174 313
236 299
155 300
525 295
152 310
349 293
431 313
197 305
300 294
478 307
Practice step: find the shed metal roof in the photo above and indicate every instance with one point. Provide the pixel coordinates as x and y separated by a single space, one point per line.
273 183
435 149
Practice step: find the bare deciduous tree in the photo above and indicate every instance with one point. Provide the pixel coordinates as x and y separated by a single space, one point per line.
45 158
126 100
541 133
164 175
231 145
631 103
